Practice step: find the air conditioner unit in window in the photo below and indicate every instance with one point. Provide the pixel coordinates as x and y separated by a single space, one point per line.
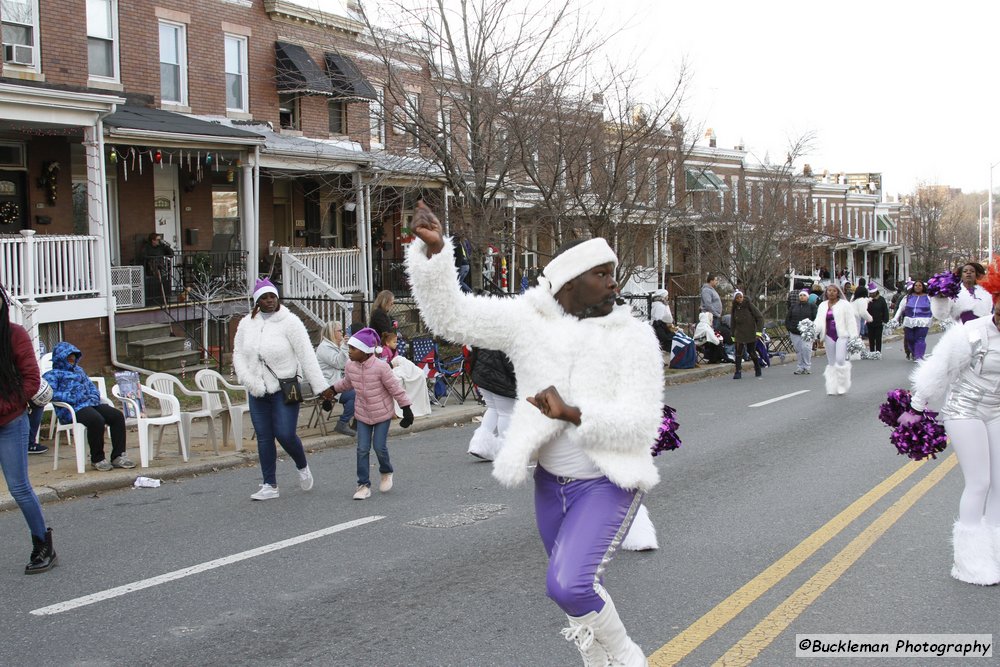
18 54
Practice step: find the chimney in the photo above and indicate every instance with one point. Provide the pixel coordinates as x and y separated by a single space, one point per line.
710 135
597 98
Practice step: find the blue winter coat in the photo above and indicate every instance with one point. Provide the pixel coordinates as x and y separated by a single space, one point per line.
70 383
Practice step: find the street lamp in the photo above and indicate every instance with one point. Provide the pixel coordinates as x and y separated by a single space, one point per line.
989 233
981 229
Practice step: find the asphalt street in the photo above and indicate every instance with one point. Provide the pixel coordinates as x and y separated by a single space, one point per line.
791 517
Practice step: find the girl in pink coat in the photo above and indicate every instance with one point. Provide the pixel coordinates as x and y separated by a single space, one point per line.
375 387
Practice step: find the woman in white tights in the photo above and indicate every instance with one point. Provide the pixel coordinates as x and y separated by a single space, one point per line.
964 372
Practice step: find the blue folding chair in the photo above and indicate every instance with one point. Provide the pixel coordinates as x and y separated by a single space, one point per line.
447 377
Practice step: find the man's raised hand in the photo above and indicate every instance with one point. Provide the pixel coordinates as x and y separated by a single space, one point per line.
427 228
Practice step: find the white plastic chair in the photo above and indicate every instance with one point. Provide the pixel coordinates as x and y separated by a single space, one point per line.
232 413
76 433
170 413
166 383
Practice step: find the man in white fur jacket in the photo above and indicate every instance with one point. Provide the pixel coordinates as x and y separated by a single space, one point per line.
590 389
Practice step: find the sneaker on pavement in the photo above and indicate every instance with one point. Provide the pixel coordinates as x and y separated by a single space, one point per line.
343 429
35 448
364 491
386 483
122 462
102 465
305 478
799 371
267 492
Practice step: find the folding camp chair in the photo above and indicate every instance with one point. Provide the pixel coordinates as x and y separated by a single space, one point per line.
447 377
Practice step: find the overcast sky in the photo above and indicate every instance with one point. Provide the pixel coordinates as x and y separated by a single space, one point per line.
892 86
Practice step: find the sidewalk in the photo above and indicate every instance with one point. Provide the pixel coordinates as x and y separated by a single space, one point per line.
65 483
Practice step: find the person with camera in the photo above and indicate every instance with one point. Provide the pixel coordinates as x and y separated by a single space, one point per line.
271 347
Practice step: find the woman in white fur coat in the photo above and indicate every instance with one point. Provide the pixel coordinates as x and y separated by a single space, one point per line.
962 376
973 300
837 320
589 387
272 343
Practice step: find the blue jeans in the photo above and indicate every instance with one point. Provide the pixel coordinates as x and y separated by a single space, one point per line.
34 423
273 420
347 400
14 460
372 435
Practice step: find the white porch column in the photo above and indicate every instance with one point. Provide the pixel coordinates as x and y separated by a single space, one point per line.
28 284
93 143
362 224
251 229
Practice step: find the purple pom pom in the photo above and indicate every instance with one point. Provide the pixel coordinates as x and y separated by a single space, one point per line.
897 402
922 439
944 284
667 439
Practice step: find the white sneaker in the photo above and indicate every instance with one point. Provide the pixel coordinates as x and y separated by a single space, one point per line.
363 492
386 483
305 479
267 492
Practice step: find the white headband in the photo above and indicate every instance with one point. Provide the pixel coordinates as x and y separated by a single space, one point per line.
574 262
265 289
354 342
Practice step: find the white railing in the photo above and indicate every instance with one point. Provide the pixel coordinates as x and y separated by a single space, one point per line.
311 293
341 269
39 267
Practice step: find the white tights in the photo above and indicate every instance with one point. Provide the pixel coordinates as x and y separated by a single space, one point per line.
977 445
498 411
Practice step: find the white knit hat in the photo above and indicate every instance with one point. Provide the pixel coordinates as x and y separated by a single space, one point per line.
574 262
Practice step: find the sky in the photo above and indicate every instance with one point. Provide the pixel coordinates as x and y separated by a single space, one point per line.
891 86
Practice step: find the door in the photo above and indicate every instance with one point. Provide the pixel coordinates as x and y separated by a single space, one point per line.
168 222
13 205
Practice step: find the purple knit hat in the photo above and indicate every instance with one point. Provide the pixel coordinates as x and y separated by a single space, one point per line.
367 340
262 287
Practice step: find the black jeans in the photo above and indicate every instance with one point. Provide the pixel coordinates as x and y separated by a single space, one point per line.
874 337
751 349
95 419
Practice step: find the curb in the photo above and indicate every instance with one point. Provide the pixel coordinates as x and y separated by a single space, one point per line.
123 479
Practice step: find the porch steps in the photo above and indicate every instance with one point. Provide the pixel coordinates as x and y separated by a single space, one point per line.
172 361
150 346
145 348
126 335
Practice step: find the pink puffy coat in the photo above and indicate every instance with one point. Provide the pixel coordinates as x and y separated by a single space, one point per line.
376 386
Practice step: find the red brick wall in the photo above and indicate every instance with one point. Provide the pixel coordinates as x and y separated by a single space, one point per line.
42 150
63 31
92 337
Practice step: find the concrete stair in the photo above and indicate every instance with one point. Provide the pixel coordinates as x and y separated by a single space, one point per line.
150 346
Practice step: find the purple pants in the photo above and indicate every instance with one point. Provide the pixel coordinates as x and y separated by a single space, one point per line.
916 340
582 523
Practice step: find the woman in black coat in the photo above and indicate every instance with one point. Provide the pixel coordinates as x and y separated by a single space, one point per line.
748 325
879 310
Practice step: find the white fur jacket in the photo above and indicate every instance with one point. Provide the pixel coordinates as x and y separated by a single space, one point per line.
609 367
283 343
979 301
959 348
844 316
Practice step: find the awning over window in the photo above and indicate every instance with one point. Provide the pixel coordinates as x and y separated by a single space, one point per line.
298 73
884 223
703 180
347 80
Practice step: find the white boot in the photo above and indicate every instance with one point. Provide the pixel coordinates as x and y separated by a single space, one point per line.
975 554
581 632
830 375
484 445
641 534
996 544
843 378
610 633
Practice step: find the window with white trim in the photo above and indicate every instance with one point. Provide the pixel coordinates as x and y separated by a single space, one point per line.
289 116
20 33
102 39
237 93
173 63
338 116
412 119
376 117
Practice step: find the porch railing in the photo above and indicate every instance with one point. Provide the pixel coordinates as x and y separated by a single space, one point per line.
44 267
311 292
341 268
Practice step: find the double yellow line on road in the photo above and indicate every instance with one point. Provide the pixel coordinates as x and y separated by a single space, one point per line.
764 633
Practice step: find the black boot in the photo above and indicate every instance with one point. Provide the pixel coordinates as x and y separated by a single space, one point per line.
738 374
756 368
43 556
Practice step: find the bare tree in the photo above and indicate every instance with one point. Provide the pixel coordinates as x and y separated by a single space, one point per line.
936 212
603 164
491 61
756 238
